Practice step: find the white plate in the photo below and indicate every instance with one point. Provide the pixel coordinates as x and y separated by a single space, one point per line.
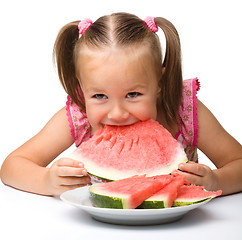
80 198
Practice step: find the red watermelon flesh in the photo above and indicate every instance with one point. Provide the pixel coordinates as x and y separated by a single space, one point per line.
166 196
127 193
191 194
117 152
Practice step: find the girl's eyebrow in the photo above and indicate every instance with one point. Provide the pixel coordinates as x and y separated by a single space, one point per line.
94 89
137 86
130 89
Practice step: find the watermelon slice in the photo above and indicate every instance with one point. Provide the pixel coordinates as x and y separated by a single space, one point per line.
166 196
148 192
117 152
192 194
127 193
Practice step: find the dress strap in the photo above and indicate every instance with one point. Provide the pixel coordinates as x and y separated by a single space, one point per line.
78 122
188 123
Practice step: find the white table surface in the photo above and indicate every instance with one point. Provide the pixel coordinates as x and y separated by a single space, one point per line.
29 216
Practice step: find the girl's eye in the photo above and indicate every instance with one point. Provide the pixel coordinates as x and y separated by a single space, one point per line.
100 96
133 95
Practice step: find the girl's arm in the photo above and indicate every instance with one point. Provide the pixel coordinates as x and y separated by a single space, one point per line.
25 168
222 149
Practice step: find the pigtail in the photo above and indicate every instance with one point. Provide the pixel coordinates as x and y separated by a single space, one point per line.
171 81
63 55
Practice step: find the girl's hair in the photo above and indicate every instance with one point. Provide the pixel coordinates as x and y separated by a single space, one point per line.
123 30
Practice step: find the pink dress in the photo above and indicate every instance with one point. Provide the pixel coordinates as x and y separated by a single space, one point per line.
188 125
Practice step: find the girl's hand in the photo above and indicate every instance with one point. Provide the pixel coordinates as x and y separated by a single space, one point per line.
66 174
199 174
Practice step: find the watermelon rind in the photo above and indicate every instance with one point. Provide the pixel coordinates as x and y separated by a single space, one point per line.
102 200
154 202
153 205
106 201
185 202
98 178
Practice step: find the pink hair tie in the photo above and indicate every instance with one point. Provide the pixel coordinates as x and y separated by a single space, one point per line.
84 25
150 21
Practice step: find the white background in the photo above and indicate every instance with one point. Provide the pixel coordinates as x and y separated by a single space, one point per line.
210 32
30 92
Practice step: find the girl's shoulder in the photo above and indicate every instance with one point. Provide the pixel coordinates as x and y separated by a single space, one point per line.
78 122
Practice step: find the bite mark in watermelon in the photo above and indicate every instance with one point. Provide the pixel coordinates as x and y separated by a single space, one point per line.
127 193
117 152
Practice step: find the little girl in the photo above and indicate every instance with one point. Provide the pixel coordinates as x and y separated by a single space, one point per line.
114 73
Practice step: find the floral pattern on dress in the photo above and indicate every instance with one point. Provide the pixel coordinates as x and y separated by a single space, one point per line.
188 124
78 122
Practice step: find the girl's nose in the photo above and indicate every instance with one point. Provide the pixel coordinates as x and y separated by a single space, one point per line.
118 113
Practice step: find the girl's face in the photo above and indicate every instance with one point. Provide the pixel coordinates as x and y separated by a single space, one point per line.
119 87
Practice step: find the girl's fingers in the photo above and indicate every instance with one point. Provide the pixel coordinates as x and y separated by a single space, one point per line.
194 168
66 174
71 171
70 187
68 181
191 178
68 162
69 167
